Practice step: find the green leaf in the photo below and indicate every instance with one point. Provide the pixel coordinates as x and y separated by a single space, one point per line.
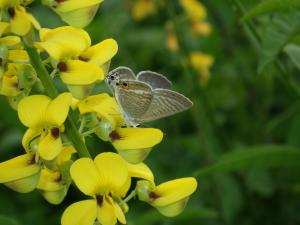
279 32
8 221
293 51
269 6
265 156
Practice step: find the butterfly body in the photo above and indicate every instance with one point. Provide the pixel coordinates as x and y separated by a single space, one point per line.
145 97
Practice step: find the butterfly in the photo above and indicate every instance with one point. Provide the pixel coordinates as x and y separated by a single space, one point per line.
145 97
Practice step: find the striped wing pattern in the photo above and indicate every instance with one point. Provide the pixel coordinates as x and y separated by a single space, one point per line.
135 99
165 103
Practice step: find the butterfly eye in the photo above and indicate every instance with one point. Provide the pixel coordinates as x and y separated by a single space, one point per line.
112 77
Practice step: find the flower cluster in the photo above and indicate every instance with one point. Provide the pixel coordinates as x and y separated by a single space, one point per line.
55 151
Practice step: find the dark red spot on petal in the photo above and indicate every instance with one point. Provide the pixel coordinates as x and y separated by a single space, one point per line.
62 67
99 200
11 12
153 195
31 161
114 136
55 132
85 59
58 179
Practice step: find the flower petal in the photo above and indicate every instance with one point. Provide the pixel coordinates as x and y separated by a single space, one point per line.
81 73
65 155
28 137
50 146
67 6
134 144
58 109
112 170
86 176
18 56
20 24
18 168
10 41
119 213
137 138
64 41
140 170
32 110
101 52
173 191
106 212
79 17
80 213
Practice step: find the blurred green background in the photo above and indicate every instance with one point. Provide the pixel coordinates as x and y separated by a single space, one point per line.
238 109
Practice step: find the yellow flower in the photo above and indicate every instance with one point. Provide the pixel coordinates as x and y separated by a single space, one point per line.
202 63
104 179
169 198
142 9
54 184
196 13
26 172
44 118
80 65
21 22
20 173
76 13
17 79
194 9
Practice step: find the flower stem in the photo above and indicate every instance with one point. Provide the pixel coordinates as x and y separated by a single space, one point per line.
44 76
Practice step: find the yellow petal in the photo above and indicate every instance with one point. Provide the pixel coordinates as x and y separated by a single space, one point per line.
142 9
79 17
19 24
58 109
3 27
105 106
66 6
140 170
194 9
119 213
50 146
136 138
18 168
106 213
32 110
24 185
134 144
80 91
49 180
28 137
81 73
55 197
9 86
173 191
10 41
65 155
86 176
64 41
80 213
101 52
173 209
112 170
18 56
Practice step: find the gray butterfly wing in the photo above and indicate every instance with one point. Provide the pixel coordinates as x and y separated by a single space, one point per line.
134 99
155 80
165 103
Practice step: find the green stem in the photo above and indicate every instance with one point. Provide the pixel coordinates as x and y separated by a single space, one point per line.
44 76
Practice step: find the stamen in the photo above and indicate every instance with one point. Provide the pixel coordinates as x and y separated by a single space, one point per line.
83 58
